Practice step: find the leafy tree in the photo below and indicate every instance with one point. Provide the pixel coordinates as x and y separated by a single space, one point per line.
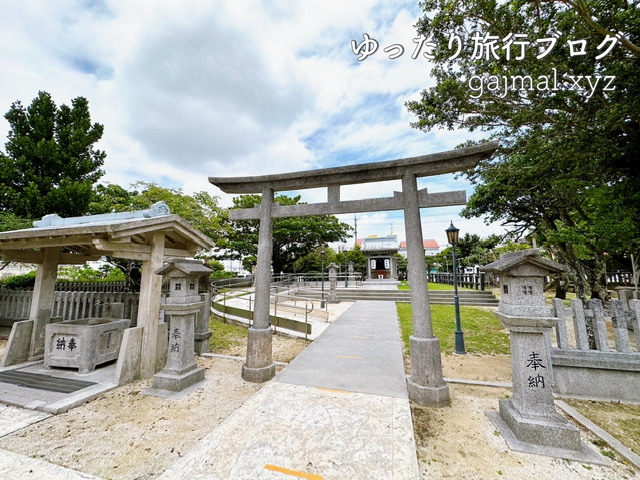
215 264
508 246
249 262
50 164
401 265
473 250
109 197
218 269
85 273
566 169
356 257
200 209
293 237
9 221
312 262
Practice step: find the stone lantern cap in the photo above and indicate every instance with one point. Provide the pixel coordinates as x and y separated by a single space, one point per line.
522 286
522 262
182 267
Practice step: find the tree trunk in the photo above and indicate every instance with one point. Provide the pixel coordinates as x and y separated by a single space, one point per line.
562 285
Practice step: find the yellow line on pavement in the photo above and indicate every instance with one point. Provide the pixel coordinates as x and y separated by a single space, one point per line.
355 336
347 356
333 390
297 473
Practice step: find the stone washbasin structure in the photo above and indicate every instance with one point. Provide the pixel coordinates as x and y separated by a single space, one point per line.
84 343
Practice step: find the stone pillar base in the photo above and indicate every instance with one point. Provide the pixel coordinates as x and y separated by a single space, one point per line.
426 385
553 431
259 374
259 366
428 396
542 438
202 343
177 383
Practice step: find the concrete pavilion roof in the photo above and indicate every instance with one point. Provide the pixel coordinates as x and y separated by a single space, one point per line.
128 238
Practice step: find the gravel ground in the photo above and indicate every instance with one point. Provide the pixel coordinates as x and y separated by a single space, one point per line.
127 435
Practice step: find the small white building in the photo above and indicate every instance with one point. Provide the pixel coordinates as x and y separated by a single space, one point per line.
8 269
381 259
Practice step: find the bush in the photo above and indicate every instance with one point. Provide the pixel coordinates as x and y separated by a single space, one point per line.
84 273
19 282
222 274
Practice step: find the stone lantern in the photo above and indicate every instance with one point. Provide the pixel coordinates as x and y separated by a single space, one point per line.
528 421
202 331
182 305
352 275
333 282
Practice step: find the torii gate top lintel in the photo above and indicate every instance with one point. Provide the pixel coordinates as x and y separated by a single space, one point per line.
421 166
333 178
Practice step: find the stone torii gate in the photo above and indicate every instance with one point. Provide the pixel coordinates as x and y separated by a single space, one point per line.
426 385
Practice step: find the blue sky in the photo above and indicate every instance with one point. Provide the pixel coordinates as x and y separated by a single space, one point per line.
188 89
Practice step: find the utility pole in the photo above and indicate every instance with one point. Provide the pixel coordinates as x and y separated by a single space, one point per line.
355 230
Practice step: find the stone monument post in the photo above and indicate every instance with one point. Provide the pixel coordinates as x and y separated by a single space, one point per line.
352 276
333 282
42 300
528 421
203 333
182 306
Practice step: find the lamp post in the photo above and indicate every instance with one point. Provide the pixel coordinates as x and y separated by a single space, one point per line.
452 238
322 254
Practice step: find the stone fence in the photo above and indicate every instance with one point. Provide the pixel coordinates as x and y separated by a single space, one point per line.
477 281
70 305
597 350
113 286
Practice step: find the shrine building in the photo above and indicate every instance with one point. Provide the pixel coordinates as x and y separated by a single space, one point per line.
381 259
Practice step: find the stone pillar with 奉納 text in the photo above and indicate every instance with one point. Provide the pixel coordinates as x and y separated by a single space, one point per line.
181 307
529 421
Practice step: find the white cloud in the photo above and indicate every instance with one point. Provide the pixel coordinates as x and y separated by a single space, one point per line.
188 89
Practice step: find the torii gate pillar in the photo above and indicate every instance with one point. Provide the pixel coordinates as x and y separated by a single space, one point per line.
259 366
426 385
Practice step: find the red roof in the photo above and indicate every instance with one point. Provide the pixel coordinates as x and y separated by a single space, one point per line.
428 243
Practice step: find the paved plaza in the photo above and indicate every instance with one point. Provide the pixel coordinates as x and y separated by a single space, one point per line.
339 410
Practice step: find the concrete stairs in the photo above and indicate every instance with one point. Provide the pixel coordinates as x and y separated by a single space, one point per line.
477 298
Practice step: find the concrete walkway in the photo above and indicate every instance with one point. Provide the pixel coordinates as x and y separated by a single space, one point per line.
361 352
338 411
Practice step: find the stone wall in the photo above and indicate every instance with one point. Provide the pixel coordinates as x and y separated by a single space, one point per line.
596 352
15 304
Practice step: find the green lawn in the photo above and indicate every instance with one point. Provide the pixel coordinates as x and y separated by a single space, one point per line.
483 333
225 335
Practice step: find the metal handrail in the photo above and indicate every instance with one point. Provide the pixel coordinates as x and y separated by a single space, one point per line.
239 294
